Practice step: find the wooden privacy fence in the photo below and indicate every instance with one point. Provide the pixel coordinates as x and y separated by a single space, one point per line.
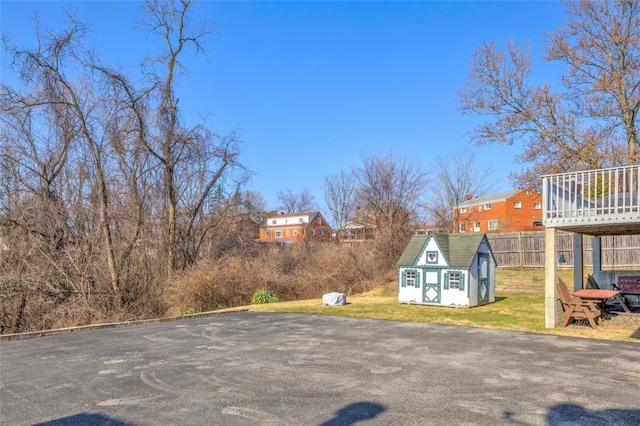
526 250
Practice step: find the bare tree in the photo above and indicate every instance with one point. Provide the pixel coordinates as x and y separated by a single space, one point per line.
339 195
295 203
576 129
194 162
389 191
600 44
453 178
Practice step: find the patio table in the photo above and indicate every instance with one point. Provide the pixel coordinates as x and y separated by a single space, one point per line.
600 296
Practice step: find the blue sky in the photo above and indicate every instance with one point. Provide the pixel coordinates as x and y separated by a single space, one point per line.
309 87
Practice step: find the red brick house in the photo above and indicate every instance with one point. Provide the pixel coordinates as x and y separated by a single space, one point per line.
509 211
290 228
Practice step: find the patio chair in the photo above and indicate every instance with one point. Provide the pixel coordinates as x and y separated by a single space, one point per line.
610 305
591 282
576 309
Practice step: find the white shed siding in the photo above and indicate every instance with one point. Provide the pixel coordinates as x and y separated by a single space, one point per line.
410 294
432 246
454 296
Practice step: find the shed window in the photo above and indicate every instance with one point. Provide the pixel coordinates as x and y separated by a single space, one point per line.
410 278
454 281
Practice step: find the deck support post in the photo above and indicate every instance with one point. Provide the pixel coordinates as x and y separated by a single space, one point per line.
596 243
550 277
578 270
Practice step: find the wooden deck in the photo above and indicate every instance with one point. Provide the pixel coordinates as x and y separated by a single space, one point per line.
593 202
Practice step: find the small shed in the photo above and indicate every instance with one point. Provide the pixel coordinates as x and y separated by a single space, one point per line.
448 270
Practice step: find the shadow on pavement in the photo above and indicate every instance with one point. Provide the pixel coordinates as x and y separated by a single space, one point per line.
566 414
636 335
353 413
86 419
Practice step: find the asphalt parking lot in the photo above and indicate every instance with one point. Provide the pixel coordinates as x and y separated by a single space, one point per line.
303 369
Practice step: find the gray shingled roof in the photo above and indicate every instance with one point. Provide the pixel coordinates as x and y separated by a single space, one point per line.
458 249
411 252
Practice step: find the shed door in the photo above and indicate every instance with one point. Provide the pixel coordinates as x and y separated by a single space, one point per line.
431 287
483 278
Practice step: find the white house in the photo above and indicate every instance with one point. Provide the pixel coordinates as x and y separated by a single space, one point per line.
448 270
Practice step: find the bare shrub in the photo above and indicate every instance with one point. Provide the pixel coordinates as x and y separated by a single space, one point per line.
294 272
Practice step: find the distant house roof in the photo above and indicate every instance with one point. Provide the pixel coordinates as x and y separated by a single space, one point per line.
354 225
458 249
489 198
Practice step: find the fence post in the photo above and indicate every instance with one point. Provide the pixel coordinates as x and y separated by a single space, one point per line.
520 250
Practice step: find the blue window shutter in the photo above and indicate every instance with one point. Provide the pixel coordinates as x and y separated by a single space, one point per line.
446 281
403 282
461 281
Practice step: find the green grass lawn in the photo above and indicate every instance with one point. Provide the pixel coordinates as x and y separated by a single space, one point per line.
511 311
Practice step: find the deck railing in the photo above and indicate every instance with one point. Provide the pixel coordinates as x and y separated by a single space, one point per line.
603 196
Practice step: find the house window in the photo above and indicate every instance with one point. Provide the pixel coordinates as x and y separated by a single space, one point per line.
321 232
493 225
537 206
476 227
461 228
319 221
295 232
517 205
278 234
300 220
463 210
411 278
274 221
479 208
432 257
267 233
287 232
313 232
487 206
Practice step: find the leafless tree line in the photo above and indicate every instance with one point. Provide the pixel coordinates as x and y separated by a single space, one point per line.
105 191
